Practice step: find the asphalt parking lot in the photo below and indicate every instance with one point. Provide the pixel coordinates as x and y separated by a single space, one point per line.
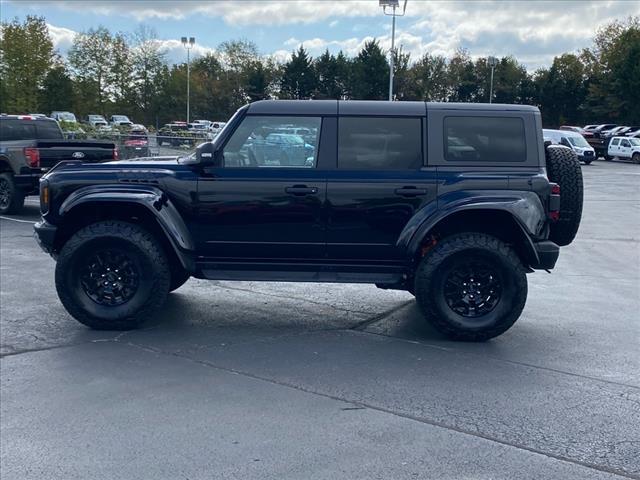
274 380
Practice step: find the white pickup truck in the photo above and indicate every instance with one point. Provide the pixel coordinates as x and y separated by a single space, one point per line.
624 147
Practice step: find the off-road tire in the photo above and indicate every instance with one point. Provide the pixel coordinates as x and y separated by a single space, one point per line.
179 277
148 256
453 251
564 169
14 200
636 158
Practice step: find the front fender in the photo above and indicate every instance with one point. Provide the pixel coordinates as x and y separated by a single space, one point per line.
152 198
525 207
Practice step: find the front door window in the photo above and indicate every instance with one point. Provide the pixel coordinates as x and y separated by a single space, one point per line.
276 141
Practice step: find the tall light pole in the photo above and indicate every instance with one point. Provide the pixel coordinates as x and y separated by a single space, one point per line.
393 5
492 61
188 44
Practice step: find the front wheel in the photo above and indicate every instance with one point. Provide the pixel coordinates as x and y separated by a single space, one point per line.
471 287
636 158
112 275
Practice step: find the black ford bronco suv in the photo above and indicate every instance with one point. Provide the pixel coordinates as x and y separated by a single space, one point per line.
454 203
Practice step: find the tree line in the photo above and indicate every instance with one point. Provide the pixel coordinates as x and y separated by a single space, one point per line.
108 73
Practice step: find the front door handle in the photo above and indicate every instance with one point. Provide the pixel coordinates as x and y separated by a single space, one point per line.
301 190
411 191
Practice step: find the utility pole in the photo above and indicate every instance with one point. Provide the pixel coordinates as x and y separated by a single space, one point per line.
188 44
493 61
393 4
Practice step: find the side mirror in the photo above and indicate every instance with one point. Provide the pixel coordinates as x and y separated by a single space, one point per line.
207 154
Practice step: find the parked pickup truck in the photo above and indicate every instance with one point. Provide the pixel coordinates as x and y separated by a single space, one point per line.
30 146
624 147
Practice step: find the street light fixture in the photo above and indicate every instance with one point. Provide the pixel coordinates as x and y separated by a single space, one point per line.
492 61
188 44
393 5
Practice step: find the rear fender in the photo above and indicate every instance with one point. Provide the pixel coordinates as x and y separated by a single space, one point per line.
153 199
525 207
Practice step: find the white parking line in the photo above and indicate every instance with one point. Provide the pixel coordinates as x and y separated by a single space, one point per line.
17 220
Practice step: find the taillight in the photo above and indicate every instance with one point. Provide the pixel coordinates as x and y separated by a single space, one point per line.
32 157
554 203
116 153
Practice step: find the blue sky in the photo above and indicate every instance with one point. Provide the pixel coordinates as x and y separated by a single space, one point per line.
532 31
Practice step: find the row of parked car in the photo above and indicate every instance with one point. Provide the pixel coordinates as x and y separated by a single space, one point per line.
606 140
188 134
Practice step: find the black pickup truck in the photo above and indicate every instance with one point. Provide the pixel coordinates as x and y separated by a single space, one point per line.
30 146
454 203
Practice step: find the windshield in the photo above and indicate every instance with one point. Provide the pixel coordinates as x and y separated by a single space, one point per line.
120 118
67 117
578 141
635 142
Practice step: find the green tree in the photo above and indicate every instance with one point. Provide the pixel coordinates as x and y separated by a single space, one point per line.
561 90
57 90
101 66
462 79
147 60
298 76
429 79
370 73
26 56
614 88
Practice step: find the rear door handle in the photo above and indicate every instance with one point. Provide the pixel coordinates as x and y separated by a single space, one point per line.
411 191
301 190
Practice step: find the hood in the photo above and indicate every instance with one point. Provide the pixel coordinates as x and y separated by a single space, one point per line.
147 161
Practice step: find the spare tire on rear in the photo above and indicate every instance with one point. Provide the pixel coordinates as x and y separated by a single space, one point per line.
563 168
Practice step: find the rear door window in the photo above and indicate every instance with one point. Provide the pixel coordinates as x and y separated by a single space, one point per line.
378 143
14 129
484 139
48 130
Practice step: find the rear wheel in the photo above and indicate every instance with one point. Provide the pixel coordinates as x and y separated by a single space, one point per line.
564 169
471 286
112 276
11 197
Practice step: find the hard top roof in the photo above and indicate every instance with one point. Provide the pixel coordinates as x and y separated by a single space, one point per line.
371 107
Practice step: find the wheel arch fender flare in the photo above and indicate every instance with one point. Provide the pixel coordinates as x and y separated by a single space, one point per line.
153 199
525 208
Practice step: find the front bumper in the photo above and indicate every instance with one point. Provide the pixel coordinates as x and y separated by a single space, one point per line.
45 235
547 253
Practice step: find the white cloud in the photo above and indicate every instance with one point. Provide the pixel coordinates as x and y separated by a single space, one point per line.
250 12
533 32
61 37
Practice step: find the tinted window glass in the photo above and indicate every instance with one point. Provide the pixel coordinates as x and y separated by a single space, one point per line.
379 143
48 130
615 141
484 139
625 143
14 129
262 141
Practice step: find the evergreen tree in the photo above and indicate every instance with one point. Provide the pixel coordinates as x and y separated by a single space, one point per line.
298 76
370 73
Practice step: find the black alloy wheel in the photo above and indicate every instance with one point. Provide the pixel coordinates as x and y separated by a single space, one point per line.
109 277
473 288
